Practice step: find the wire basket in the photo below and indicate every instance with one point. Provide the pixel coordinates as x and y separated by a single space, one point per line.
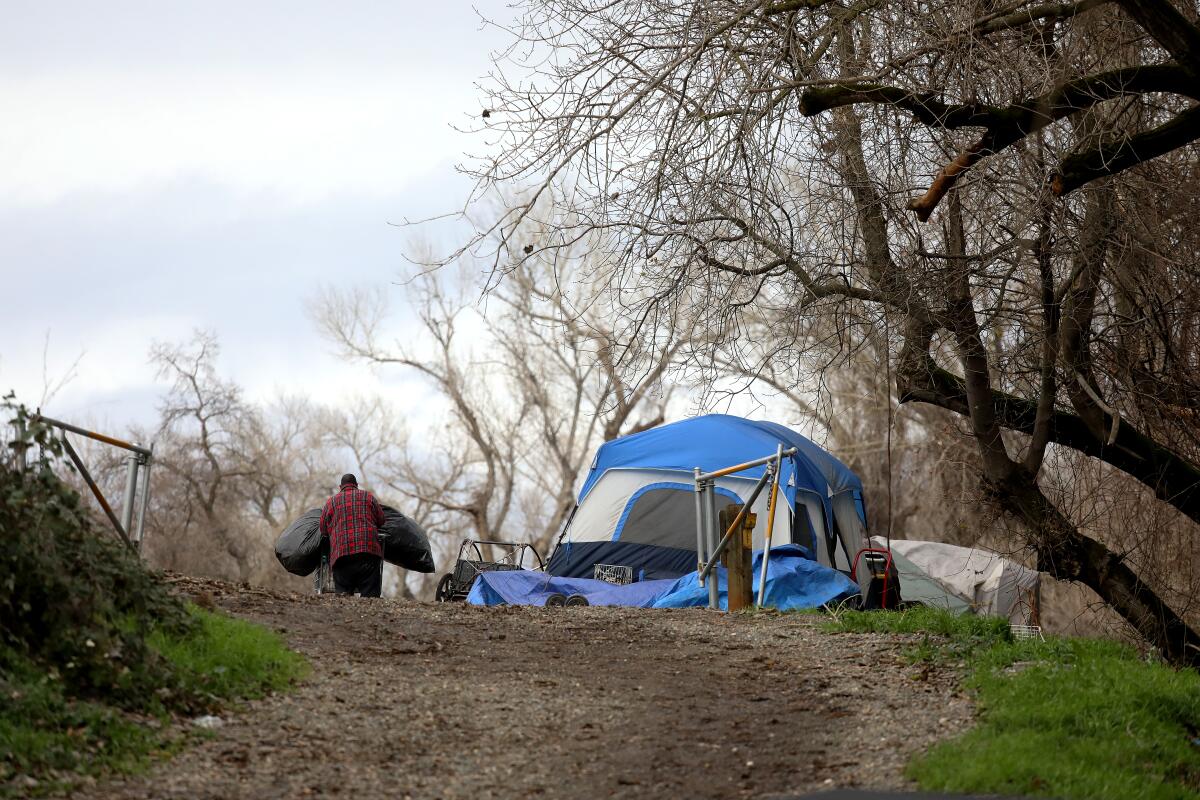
1020 632
613 573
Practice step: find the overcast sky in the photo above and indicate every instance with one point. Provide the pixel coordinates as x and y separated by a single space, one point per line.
166 166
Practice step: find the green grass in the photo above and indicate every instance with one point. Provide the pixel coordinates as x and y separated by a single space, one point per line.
55 739
230 659
48 736
919 619
1065 718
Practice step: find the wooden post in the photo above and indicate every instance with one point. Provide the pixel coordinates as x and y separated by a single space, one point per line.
736 558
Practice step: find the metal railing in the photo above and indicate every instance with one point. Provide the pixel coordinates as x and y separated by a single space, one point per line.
708 547
140 459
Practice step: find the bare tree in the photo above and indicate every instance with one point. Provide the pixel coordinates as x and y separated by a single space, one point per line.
368 430
742 153
229 475
199 445
905 455
53 384
290 462
533 383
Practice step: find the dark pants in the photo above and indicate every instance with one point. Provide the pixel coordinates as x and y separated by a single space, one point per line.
361 573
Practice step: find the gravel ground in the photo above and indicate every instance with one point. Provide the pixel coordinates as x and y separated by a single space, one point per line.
450 701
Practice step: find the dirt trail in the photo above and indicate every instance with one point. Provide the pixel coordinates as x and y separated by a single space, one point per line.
451 701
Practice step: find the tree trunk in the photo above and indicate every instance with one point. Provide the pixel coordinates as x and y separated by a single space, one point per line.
1067 554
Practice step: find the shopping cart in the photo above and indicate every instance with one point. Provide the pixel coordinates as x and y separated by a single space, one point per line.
471 563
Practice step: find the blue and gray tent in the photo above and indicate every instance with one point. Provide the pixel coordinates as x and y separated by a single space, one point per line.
637 507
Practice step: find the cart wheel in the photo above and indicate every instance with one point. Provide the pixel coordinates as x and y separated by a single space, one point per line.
577 600
556 600
443 593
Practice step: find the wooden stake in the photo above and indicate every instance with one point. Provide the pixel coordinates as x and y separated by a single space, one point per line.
736 558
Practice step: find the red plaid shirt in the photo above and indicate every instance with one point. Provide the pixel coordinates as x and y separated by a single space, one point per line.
352 519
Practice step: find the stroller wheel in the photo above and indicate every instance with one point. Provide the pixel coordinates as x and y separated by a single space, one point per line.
443 593
556 600
577 600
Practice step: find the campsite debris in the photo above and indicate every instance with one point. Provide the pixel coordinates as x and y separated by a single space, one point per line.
618 574
555 600
208 722
965 578
1020 632
793 581
875 571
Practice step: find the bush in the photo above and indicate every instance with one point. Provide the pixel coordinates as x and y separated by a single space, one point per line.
49 738
43 732
74 602
95 652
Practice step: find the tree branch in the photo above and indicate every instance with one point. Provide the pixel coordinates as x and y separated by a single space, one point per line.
1109 158
785 6
1009 125
1173 479
924 106
1026 16
1170 28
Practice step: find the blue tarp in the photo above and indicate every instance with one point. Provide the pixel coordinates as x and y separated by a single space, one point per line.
527 588
793 581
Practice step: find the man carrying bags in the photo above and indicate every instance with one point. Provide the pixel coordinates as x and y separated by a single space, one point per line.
352 519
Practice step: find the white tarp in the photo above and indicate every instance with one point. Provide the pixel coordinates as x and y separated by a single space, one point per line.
991 583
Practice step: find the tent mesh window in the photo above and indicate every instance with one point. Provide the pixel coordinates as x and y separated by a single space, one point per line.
802 531
663 517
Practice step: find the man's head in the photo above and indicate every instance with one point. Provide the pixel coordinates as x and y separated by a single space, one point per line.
349 480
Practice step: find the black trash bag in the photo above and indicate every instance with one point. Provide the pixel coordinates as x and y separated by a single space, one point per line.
299 547
404 542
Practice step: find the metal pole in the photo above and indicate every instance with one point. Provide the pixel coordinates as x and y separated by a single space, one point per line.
702 537
87 478
737 521
699 523
714 598
99 437
721 473
762 578
131 477
145 501
702 533
706 523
